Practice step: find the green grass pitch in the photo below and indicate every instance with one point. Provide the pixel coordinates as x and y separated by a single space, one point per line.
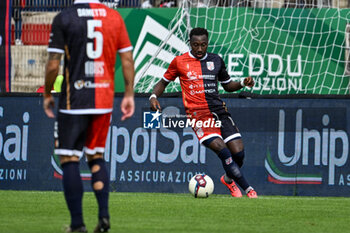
27 211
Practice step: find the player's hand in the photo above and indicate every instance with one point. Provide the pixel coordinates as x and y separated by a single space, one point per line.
155 104
249 82
127 107
49 103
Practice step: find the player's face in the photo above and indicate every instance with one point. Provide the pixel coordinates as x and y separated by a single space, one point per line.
199 46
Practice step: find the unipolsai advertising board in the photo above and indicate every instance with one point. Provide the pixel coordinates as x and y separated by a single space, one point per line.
292 147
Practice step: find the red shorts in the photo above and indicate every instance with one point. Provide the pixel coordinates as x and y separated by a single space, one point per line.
82 133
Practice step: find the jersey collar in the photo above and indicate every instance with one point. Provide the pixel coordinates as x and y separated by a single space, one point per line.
86 1
205 57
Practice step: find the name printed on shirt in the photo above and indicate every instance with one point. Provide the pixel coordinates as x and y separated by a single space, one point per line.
84 12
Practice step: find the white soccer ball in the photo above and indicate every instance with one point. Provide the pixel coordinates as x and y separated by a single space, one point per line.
201 185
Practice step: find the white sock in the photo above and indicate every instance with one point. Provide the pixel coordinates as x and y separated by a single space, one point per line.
250 188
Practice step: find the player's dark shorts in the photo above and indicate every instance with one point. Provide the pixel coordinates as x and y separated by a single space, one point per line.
78 134
227 131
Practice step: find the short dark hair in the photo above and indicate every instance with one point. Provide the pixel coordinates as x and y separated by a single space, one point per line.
198 32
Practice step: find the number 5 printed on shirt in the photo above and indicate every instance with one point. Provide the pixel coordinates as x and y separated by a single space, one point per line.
97 35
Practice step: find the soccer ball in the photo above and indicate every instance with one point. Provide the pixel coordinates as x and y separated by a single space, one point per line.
201 185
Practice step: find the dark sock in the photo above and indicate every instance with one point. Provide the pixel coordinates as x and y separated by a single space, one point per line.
238 158
73 192
227 179
100 177
232 169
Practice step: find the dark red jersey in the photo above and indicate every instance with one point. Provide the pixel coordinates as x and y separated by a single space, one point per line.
89 34
199 81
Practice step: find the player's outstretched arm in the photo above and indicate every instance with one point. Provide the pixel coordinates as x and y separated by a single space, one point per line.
157 91
51 72
128 104
235 86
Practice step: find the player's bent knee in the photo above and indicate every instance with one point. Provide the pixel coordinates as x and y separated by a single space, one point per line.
95 168
235 145
98 185
217 145
66 159
95 156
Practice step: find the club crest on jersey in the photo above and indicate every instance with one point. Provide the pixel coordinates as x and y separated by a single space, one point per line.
210 65
200 132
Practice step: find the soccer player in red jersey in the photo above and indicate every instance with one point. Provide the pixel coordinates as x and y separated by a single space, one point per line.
199 74
89 34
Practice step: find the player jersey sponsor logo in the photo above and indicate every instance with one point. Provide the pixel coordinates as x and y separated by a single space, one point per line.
204 85
210 65
208 77
192 75
207 91
94 69
80 84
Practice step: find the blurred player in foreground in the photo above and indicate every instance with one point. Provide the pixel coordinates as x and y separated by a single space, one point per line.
199 73
89 34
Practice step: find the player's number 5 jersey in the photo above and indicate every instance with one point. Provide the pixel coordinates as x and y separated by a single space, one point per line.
89 34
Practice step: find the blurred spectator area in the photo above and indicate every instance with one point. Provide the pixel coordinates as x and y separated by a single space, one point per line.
31 19
30 31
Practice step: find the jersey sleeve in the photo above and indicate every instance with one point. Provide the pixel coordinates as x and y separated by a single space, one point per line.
172 72
223 76
124 44
56 41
